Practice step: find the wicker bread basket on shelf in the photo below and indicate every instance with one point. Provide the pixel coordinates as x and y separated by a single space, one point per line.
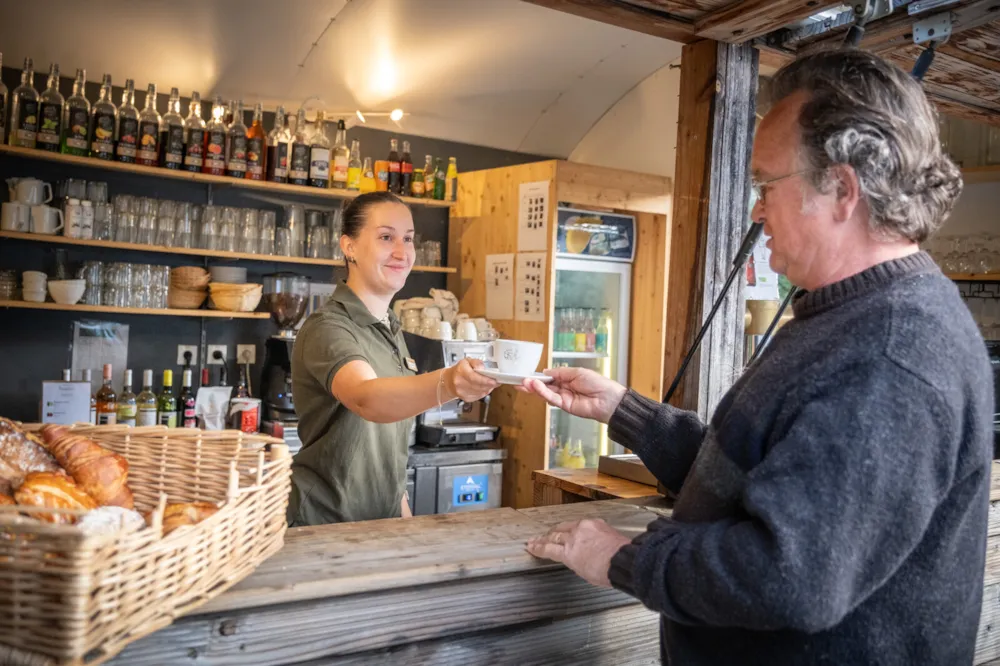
68 597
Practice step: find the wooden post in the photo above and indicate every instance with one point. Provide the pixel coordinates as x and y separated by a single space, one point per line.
711 195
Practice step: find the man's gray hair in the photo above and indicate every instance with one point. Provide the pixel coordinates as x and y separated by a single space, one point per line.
867 113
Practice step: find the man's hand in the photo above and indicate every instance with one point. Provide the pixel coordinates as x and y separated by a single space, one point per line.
580 392
585 546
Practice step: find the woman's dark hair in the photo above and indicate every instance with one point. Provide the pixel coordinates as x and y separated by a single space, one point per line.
357 212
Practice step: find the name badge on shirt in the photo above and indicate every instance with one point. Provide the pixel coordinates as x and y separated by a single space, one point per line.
411 364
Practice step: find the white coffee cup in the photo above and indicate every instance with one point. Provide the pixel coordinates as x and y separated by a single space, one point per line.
15 216
46 219
444 330
33 192
33 296
467 331
515 357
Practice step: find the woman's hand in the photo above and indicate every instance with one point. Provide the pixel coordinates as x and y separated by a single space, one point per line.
580 392
463 382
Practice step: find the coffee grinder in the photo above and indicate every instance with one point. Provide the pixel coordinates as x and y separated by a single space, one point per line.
285 296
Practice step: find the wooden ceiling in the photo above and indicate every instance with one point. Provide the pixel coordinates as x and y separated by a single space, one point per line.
964 79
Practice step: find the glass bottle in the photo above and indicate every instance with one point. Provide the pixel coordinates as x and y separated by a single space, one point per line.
149 130
186 402
319 154
580 332
241 388
354 167
88 377
451 180
166 404
430 175
127 402
601 338
298 168
278 140
395 178
4 103
367 177
103 123
406 170
194 135
341 158
24 110
172 133
214 153
590 330
439 178
76 119
107 401
128 125
50 113
236 143
256 145
146 401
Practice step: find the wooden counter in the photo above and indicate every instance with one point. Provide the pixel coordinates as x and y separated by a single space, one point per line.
565 486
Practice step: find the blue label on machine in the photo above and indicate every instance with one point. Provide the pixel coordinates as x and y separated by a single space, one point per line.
470 490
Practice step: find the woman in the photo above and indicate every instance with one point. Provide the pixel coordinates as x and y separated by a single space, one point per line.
356 388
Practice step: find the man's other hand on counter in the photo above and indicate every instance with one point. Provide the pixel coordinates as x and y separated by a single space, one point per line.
585 546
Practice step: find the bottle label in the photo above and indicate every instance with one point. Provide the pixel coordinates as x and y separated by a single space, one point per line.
79 124
128 137
354 178
126 421
215 150
48 129
93 416
406 167
299 168
3 117
255 158
340 169
277 161
417 186
168 419
319 163
126 414
103 144
173 145
26 125
237 163
190 420
146 417
194 149
148 140
394 167
107 418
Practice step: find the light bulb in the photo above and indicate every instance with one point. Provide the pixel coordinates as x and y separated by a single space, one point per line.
396 115
360 117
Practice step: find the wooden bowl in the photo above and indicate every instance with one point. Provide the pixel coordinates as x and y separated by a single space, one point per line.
189 277
186 299
236 300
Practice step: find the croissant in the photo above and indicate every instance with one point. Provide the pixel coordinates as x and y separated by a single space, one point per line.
180 515
6 500
53 490
101 473
20 454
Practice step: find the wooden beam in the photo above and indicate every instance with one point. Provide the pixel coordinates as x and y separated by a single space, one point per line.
747 19
646 21
951 107
771 59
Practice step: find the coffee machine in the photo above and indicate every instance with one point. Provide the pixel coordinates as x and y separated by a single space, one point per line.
285 296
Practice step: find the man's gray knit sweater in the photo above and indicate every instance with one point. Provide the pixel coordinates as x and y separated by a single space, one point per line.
834 509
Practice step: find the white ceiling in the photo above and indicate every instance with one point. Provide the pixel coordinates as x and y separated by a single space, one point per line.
499 73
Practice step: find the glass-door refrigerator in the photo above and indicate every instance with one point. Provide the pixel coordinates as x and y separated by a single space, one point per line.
593 264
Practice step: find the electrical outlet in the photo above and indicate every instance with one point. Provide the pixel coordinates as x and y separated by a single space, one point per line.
187 348
211 360
246 354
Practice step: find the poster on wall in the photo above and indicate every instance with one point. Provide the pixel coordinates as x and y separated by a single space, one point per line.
530 301
500 286
96 343
533 217
761 281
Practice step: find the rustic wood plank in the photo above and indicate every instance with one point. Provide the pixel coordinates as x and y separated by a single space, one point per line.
961 109
640 19
546 495
991 574
612 189
619 637
745 20
629 516
988 635
995 481
954 74
592 484
980 46
771 59
647 329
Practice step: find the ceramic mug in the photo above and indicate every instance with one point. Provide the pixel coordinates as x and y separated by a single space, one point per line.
444 331
46 220
33 192
15 216
515 357
467 331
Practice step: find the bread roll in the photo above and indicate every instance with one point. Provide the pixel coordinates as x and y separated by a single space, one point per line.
102 474
20 454
53 490
6 500
181 515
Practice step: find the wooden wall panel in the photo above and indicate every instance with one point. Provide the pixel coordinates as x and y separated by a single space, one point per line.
649 312
613 189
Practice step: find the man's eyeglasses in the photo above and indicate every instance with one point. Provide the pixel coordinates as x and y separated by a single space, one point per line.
760 189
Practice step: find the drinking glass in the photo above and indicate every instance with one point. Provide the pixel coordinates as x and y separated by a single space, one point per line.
93 273
126 226
265 238
318 243
97 191
248 233
122 203
140 293
103 221
227 230
210 228
146 229
184 235
283 242
166 228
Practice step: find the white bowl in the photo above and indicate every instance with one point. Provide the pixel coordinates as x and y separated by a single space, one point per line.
67 292
33 296
228 274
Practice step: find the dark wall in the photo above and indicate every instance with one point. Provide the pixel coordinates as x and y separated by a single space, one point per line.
35 345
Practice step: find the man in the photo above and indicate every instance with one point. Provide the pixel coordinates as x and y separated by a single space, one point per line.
834 508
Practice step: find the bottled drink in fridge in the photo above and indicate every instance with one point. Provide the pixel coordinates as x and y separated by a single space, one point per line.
601 338
172 133
354 167
50 113
319 154
236 143
395 168
580 332
256 145
4 104
127 403
106 400
194 136
146 401
451 180
406 170
148 153
127 139
298 167
76 119
186 402
590 330
278 142
24 110
341 158
166 404
103 123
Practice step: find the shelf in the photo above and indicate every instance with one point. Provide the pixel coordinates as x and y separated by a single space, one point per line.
193 252
108 309
981 174
974 277
568 354
157 172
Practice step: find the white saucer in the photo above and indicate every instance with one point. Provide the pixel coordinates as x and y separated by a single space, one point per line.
516 380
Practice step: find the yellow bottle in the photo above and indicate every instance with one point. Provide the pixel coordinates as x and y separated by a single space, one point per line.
451 180
367 177
576 458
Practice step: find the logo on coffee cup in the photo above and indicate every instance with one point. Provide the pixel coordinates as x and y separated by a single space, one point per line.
510 355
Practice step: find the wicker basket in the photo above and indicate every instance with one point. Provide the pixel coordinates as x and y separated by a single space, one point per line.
189 277
186 299
235 297
67 597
